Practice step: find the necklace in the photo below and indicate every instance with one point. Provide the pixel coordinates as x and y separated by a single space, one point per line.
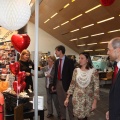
83 78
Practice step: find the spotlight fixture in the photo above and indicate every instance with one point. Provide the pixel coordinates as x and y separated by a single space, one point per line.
104 42
81 45
65 23
88 50
84 37
87 26
97 34
46 20
92 44
93 8
54 15
76 17
56 27
74 39
114 31
75 30
99 49
105 20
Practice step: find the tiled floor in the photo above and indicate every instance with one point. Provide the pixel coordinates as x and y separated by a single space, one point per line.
99 112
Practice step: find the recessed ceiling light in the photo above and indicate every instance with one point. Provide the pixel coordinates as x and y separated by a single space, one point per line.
46 20
66 5
75 30
84 37
99 49
92 44
74 39
54 15
97 34
105 20
65 23
81 45
104 42
93 8
72 0
114 31
56 27
87 26
76 17
88 50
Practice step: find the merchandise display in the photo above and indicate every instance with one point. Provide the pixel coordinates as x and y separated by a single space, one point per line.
12 80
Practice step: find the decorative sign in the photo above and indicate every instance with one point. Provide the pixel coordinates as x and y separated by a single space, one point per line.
40 102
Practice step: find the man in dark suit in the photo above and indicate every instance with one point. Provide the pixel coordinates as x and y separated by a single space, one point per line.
62 78
114 95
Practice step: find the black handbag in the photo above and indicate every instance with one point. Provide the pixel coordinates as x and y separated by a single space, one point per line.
50 90
11 102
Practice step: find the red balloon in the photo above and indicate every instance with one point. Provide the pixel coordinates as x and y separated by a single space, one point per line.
19 87
107 2
21 76
15 67
23 86
20 41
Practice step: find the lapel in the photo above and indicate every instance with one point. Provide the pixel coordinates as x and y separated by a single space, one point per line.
56 65
116 80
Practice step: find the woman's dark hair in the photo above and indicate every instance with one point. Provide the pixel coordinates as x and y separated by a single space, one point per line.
60 47
89 63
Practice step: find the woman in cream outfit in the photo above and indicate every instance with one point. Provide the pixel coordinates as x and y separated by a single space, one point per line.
84 88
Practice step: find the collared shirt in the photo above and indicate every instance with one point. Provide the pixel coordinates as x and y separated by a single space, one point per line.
62 63
118 65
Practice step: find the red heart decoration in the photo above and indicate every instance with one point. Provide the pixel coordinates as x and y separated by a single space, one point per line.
14 67
23 85
20 41
107 2
21 76
19 87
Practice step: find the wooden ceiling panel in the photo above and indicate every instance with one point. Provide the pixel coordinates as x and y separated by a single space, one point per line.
63 34
56 4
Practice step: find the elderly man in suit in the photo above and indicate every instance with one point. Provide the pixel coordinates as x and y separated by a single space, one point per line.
114 95
62 78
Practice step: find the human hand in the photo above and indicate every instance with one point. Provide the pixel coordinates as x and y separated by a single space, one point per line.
48 75
27 74
107 115
66 102
52 88
94 106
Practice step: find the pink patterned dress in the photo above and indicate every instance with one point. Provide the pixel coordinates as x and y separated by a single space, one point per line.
84 88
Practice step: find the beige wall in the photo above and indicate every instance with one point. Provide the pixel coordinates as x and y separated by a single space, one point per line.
46 41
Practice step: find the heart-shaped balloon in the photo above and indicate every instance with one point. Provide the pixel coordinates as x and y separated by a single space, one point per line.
20 41
23 86
21 76
107 2
19 87
15 67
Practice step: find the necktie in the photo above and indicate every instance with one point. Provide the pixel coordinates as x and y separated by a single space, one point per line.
115 73
59 69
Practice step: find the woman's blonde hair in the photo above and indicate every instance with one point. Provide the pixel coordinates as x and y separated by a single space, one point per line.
52 57
25 51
